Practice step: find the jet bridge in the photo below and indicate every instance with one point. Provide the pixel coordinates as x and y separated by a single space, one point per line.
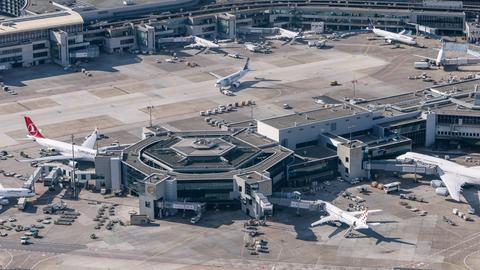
289 200
397 166
199 208
30 183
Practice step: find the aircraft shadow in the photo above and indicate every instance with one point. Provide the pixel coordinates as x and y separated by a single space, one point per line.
301 223
381 238
15 77
47 197
251 84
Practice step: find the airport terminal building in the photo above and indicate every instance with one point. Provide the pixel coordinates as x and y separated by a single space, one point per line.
243 166
79 31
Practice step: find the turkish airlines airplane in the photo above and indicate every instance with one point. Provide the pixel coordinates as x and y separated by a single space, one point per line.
356 220
84 152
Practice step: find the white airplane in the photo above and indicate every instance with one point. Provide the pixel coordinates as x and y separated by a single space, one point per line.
232 79
6 193
441 60
453 175
256 48
204 45
201 43
84 152
284 34
317 43
391 37
234 55
356 220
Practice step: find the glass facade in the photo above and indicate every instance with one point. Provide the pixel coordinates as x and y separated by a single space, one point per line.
30 36
458 120
416 131
133 179
204 190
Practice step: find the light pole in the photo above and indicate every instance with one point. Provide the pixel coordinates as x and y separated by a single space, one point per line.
150 114
354 82
73 170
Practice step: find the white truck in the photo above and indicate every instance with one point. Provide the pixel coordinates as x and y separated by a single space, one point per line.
421 65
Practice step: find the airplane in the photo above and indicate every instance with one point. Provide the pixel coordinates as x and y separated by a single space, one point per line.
284 34
256 48
453 175
84 152
234 55
6 193
441 60
391 37
356 220
232 79
317 43
203 45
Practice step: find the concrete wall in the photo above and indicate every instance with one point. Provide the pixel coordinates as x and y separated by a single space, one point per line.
431 127
116 174
350 157
268 131
60 38
290 137
112 44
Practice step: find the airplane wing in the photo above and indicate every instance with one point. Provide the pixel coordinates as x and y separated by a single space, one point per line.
215 75
425 57
358 213
323 221
204 50
402 32
453 183
49 158
336 231
91 140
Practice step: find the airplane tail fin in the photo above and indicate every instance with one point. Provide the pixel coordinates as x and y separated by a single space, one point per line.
247 64
33 131
370 24
441 54
91 140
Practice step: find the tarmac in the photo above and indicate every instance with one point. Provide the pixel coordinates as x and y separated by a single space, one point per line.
122 86
404 239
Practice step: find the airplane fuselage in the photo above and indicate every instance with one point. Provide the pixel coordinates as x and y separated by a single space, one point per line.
390 36
6 193
80 153
344 216
230 79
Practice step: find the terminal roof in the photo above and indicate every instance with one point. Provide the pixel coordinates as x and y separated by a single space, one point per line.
40 22
314 116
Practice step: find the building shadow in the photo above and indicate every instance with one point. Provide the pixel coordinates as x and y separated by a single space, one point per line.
16 77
